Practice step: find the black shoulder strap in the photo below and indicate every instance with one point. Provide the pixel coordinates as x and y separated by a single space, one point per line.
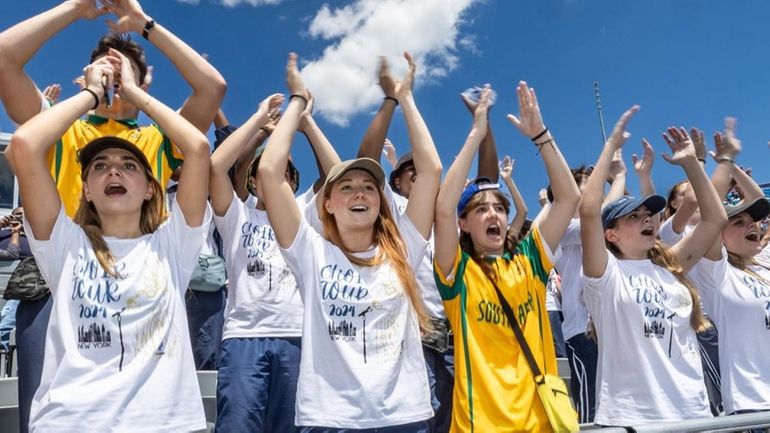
519 335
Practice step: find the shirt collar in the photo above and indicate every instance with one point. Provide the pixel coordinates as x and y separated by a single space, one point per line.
98 120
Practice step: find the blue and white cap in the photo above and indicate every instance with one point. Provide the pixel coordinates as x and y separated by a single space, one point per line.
627 204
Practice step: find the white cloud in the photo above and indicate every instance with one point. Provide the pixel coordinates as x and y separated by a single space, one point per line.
344 77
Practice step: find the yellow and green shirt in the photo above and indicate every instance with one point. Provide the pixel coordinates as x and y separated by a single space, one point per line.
494 387
65 168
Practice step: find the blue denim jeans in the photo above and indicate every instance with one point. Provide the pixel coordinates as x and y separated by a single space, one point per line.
257 384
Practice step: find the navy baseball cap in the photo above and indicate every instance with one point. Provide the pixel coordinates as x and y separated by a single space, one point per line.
627 204
757 209
402 164
477 185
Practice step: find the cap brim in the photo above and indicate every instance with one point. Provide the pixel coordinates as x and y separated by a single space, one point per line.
373 167
757 209
87 154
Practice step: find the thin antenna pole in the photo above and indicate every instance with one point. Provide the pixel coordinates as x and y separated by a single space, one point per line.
598 100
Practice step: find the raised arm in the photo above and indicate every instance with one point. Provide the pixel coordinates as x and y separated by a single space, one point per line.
565 192
33 139
506 172
324 153
208 86
427 164
643 169
282 209
220 185
591 230
374 137
445 229
692 247
193 188
617 178
240 171
487 160
21 97
726 147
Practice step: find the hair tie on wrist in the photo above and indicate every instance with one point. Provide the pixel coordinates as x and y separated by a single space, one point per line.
147 27
297 95
545 131
703 160
391 99
264 129
96 97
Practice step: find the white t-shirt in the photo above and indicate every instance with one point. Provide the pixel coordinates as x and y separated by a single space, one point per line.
740 306
649 366
552 302
262 300
117 351
424 271
763 258
362 364
671 237
570 267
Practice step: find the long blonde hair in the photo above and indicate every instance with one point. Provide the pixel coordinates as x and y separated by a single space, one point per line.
152 215
661 256
391 248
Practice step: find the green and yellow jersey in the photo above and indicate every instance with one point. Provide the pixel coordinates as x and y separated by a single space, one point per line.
65 168
494 387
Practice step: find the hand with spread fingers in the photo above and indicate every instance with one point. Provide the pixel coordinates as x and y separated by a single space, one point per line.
682 147
530 121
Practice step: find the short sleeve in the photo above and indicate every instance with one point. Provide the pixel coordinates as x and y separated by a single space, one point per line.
595 287
540 256
302 252
227 224
707 274
51 254
182 242
449 281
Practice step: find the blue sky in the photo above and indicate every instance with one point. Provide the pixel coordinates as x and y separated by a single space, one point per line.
685 62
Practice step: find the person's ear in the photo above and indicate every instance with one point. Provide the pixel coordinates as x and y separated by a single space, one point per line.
86 192
611 235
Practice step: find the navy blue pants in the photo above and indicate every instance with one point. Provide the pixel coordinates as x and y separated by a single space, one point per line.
205 319
257 384
414 427
441 377
556 318
31 326
583 355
